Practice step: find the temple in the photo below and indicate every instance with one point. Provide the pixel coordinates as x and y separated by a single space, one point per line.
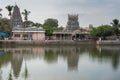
19 32
16 19
72 30
72 23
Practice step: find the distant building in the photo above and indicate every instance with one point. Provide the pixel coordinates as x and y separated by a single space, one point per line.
16 19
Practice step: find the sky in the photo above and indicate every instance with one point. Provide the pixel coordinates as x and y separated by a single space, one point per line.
95 12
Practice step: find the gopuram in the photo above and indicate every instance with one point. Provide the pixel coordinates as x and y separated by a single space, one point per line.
72 23
16 19
72 30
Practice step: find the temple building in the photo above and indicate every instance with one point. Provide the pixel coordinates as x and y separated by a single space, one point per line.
16 19
72 23
19 32
30 33
72 30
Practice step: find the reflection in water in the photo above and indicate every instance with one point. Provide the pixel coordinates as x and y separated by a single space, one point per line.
10 76
26 71
15 56
16 63
72 61
50 56
0 74
18 57
110 52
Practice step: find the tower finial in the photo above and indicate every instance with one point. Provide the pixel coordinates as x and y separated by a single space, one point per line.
15 3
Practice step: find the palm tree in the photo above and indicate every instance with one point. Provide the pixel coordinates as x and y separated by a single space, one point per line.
115 22
9 8
0 13
26 13
116 25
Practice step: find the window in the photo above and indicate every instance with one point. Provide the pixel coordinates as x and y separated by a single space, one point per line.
25 35
17 35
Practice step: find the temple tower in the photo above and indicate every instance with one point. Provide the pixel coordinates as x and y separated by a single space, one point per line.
72 23
16 19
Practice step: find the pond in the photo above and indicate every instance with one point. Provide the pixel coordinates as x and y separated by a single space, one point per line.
85 62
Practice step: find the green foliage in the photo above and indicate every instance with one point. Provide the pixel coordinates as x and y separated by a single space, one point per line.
51 22
9 8
115 24
28 23
37 24
31 23
5 25
60 28
116 31
50 25
26 13
0 13
49 30
102 31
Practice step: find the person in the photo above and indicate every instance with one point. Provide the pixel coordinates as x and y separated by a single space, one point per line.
100 39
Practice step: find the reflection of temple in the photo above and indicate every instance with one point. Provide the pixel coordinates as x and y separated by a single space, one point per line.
20 54
72 61
70 53
72 30
16 63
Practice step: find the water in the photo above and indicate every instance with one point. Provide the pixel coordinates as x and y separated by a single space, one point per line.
60 63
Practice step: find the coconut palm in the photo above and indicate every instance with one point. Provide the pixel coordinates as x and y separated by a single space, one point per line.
116 25
25 14
9 8
0 13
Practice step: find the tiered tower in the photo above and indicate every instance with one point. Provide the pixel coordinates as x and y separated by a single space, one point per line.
16 19
72 23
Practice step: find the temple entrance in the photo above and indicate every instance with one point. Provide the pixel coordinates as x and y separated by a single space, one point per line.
78 37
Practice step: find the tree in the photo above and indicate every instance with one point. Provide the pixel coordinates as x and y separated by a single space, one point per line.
60 28
0 13
37 24
28 23
102 31
5 25
50 25
115 23
49 30
51 22
9 8
26 13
